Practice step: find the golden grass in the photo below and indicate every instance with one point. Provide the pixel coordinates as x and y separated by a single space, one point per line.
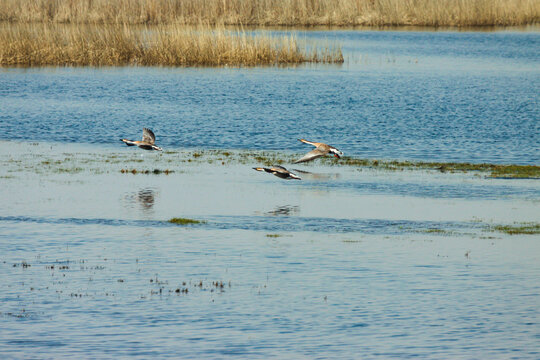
167 45
276 12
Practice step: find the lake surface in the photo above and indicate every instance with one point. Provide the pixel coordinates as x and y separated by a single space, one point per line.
350 262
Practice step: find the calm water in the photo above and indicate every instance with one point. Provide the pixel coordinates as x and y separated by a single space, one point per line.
347 263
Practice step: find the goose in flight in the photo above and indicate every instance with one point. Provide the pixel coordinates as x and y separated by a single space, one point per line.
147 143
279 171
321 149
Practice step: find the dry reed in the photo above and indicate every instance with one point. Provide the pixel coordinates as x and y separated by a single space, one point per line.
276 12
54 44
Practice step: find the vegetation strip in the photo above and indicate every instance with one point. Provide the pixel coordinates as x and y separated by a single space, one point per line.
119 45
185 221
128 163
276 12
524 228
272 158
494 170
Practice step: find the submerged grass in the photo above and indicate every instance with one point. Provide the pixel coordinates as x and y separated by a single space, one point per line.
185 221
493 170
146 171
523 228
276 12
112 45
434 231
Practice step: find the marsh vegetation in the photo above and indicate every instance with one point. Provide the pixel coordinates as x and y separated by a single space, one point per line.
168 45
276 12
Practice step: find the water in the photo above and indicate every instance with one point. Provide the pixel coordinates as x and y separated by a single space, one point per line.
347 263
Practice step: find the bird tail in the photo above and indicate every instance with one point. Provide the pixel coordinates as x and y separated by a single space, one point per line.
294 176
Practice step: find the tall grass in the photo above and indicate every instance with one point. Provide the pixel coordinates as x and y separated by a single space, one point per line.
275 12
169 45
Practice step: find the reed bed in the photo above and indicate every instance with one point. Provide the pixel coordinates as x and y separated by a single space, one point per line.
166 45
276 12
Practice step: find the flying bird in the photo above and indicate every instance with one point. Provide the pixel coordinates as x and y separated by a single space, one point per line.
279 171
321 149
147 143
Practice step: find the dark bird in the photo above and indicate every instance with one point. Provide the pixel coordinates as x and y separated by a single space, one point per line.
279 171
147 143
321 149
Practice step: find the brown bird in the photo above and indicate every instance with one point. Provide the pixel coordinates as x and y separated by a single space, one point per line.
279 171
321 149
147 143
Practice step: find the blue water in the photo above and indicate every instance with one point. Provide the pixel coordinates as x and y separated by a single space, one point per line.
438 96
263 223
347 263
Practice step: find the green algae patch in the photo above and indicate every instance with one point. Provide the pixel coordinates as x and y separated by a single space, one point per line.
185 221
511 171
518 229
515 171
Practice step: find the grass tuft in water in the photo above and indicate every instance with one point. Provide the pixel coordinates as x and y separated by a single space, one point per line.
185 221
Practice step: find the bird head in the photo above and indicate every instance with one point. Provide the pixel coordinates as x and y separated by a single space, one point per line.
336 152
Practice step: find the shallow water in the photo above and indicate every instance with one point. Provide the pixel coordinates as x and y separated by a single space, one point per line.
350 262
342 263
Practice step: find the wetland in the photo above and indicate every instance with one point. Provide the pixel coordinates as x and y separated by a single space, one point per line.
422 241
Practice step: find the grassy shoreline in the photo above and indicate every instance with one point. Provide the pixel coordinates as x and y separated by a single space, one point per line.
276 12
162 45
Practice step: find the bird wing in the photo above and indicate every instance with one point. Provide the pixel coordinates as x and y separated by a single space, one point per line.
148 136
316 144
313 154
279 169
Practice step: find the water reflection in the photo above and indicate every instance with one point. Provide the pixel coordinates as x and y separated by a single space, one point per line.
317 176
144 199
286 210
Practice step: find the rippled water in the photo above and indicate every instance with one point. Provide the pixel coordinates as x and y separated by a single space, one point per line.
348 263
